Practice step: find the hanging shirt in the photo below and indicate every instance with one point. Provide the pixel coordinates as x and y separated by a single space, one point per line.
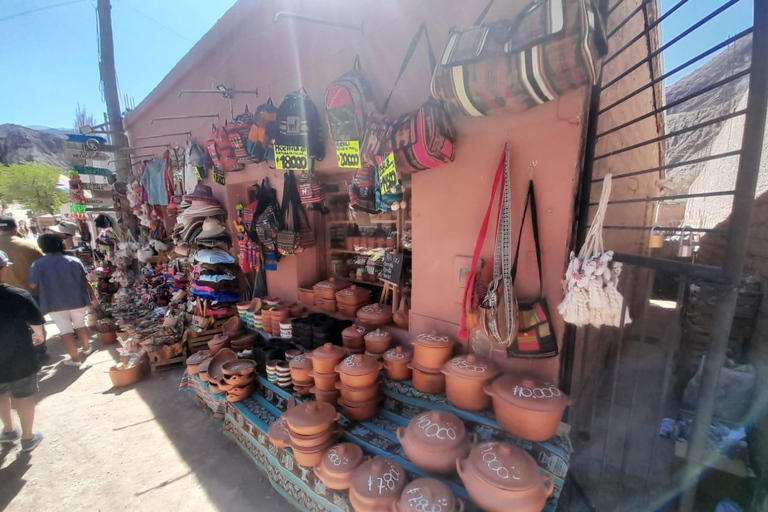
153 181
193 160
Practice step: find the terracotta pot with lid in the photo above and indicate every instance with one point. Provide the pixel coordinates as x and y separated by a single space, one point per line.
324 381
311 457
311 418
375 314
431 350
338 464
465 379
360 411
428 494
378 341
300 369
500 477
376 485
359 371
353 337
358 395
526 407
328 305
427 381
315 441
353 296
433 441
278 433
327 289
396 362
329 397
325 358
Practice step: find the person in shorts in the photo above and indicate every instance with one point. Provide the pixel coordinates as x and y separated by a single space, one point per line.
22 329
64 294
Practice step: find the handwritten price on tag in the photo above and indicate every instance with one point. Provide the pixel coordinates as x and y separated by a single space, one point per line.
387 174
348 154
291 157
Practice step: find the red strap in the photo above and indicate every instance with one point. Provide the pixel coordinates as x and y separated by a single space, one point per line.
463 333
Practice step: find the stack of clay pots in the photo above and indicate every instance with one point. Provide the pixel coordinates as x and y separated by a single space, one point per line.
377 342
237 382
433 441
353 338
375 315
239 339
349 300
278 372
312 430
430 351
359 386
277 315
325 293
324 361
301 367
213 372
376 485
397 363
195 360
338 463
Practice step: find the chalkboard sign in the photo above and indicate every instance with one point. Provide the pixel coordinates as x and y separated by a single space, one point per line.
393 268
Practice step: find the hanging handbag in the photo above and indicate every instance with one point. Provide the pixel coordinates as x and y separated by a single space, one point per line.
535 336
511 65
266 223
288 236
310 190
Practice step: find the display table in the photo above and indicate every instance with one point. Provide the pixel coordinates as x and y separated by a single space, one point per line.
247 423
216 402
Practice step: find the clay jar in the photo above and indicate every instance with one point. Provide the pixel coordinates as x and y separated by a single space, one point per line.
353 337
396 362
527 408
431 350
353 296
376 485
500 477
427 381
428 494
311 418
465 379
433 441
375 315
359 371
327 289
300 369
338 464
378 341
324 359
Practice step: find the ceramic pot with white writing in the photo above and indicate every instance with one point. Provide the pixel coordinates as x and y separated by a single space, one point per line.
396 362
338 464
433 441
526 407
325 358
378 341
311 418
376 485
465 379
500 477
327 289
359 371
431 350
375 315
353 337
428 494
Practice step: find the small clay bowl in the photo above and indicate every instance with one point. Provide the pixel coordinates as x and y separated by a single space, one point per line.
243 367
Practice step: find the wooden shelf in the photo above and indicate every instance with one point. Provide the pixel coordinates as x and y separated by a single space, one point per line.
360 281
345 251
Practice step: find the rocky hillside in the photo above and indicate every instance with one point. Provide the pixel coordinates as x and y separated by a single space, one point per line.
19 144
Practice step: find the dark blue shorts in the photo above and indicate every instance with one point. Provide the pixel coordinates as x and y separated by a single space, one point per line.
21 388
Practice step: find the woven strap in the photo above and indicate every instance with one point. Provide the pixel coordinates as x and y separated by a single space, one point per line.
408 55
530 200
593 243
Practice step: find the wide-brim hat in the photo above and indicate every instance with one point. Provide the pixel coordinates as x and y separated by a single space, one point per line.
182 249
207 210
202 193
212 228
65 228
191 231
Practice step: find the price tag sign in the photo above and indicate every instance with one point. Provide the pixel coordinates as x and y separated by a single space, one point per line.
219 176
292 158
348 154
197 174
387 174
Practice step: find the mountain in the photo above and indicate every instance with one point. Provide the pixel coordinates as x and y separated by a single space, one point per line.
61 132
19 144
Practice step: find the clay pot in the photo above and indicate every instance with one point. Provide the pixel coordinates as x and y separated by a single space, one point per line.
358 395
232 327
215 373
378 341
427 381
311 418
324 359
328 305
278 433
433 440
401 317
324 381
431 350
353 336
388 478
360 411
243 367
465 379
294 309
108 337
315 441
428 494
218 342
500 477
353 296
396 362
359 371
243 342
202 370
527 408
350 311
327 289
300 368
338 464
311 458
375 315
302 389
329 397
239 393
193 361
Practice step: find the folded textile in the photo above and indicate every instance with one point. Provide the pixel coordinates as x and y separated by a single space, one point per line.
214 256
218 296
215 278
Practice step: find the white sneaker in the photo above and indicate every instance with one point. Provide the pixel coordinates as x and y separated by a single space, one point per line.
88 352
72 362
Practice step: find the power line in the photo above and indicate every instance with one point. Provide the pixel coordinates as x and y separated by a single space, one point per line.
169 29
24 13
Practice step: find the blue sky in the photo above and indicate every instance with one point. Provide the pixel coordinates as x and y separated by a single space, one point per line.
50 56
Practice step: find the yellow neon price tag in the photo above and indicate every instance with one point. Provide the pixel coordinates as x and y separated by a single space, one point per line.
387 174
292 158
348 154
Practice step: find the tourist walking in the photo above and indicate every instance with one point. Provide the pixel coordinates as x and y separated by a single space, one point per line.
22 324
23 253
64 294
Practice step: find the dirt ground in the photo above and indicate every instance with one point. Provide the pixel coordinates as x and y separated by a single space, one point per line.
145 447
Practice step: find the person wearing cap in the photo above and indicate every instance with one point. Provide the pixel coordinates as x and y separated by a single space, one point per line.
22 324
22 252
64 294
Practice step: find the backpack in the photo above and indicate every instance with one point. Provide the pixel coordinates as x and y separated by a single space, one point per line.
265 226
347 103
361 190
238 133
300 124
263 130
221 150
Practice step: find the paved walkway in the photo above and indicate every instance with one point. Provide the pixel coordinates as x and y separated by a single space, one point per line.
145 447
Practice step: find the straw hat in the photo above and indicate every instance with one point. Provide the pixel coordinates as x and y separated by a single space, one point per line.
212 228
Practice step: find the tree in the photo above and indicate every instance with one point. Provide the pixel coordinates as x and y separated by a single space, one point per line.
33 185
83 118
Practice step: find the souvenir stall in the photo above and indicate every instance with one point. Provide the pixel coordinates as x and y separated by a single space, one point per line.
391 285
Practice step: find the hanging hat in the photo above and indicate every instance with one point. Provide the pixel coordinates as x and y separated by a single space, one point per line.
203 194
207 210
212 227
